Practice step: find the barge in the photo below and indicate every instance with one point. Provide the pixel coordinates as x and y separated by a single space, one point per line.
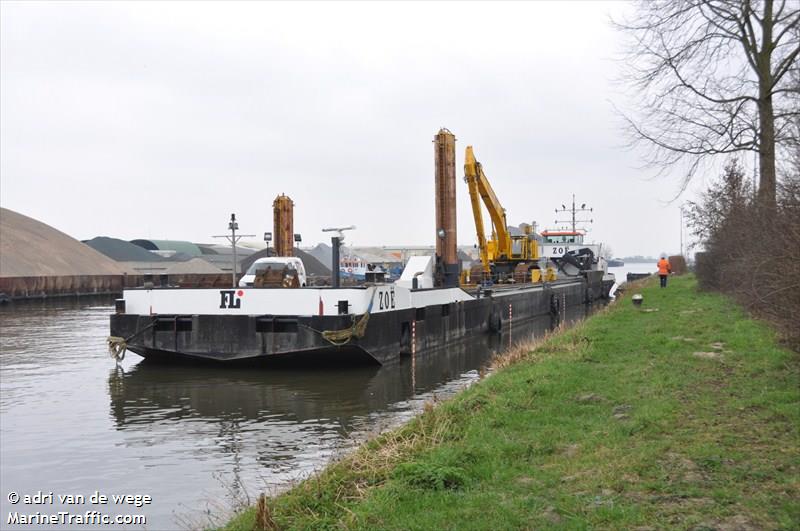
428 307
380 321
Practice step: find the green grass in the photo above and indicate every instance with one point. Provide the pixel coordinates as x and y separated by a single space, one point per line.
616 423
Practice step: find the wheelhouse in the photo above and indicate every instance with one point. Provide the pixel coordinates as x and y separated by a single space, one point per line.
562 236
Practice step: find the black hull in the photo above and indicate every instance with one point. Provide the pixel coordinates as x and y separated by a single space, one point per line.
237 338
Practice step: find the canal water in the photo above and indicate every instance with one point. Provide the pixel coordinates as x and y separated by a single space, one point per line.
199 441
621 272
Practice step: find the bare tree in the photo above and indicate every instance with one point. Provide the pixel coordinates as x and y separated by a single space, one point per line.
713 77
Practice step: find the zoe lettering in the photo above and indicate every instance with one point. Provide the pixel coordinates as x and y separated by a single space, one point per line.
386 300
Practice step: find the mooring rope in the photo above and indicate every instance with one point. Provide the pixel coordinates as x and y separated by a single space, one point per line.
358 329
342 337
117 346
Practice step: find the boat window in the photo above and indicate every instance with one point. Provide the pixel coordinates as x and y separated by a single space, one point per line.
257 269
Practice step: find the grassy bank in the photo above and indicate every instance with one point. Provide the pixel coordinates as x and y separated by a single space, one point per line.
684 416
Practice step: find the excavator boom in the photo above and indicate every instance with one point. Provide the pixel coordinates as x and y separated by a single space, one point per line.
479 186
471 178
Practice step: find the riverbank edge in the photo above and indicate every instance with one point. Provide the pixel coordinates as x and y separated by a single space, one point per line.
678 414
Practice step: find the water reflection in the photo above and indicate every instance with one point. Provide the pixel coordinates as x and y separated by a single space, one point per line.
152 393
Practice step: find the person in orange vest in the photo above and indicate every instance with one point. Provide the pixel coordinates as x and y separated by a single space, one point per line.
663 270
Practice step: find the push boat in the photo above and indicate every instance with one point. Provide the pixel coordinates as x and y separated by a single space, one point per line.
430 306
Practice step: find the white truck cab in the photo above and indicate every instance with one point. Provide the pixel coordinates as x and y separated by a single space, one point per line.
274 262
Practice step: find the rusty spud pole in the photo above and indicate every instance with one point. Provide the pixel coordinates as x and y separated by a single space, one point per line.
447 264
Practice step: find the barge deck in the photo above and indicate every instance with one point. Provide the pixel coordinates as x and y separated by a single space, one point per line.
381 322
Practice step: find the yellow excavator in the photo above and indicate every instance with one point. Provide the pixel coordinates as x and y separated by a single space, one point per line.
504 258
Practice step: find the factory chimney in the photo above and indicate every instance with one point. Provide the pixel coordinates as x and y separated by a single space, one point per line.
283 218
447 263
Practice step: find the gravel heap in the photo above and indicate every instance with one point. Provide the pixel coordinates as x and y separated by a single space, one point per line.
29 248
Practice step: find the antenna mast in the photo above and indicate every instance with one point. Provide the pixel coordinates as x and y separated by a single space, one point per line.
574 211
336 241
234 238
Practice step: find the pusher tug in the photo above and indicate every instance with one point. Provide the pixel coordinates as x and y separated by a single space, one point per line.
431 305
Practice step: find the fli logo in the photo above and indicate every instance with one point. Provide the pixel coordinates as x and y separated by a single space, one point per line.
230 298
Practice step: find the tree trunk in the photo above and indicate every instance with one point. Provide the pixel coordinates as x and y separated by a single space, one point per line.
766 115
766 154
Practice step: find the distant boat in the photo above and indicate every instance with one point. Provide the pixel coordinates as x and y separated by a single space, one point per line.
352 267
615 262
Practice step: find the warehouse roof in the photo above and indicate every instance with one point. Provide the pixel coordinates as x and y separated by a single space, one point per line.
178 246
225 249
122 251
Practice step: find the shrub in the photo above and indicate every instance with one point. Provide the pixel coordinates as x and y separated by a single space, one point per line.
749 252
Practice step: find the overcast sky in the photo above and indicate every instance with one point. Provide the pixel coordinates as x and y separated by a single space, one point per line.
157 120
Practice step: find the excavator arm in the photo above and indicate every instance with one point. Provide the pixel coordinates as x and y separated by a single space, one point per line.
471 178
479 187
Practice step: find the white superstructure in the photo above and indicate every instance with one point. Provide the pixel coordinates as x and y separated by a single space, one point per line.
302 301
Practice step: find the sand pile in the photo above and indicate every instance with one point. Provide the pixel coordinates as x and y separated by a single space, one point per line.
29 248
